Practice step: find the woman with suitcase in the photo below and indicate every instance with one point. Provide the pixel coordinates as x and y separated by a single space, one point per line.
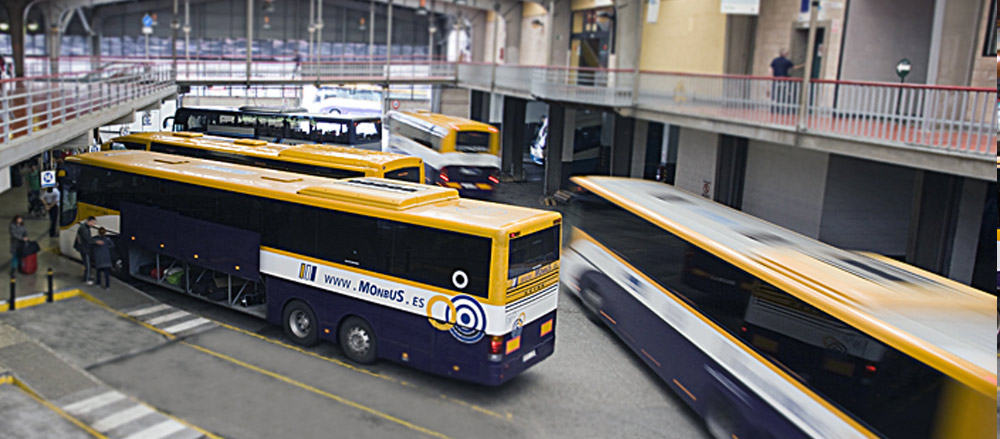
18 237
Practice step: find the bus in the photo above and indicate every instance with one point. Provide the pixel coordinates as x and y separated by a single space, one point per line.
355 131
319 160
387 269
768 334
458 153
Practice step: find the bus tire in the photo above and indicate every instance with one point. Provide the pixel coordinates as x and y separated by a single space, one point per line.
358 340
592 303
300 323
720 423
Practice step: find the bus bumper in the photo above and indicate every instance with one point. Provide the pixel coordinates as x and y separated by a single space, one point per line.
514 364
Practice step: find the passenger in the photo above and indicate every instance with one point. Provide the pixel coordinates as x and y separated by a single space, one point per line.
18 236
85 244
51 201
102 257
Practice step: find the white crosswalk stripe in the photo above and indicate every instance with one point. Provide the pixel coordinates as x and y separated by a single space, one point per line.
94 403
158 431
166 318
116 416
121 418
149 310
190 324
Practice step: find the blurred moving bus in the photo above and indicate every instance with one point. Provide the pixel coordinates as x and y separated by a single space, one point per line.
319 160
402 271
766 333
458 153
363 132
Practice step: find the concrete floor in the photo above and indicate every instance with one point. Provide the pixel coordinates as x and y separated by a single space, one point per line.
25 418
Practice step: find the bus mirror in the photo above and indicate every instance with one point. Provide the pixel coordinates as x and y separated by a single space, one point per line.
166 121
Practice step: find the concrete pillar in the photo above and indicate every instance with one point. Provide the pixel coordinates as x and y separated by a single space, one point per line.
54 37
479 106
454 101
534 34
560 17
621 146
640 139
935 214
512 25
15 11
558 145
965 243
512 150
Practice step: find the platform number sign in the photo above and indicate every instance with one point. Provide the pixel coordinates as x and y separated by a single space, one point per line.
48 178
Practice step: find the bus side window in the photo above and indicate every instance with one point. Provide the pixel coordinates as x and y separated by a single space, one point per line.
433 256
353 240
287 226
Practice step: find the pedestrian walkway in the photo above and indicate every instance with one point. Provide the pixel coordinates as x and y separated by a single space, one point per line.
66 273
27 418
171 320
115 415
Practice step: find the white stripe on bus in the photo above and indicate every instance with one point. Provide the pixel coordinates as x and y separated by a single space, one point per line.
801 409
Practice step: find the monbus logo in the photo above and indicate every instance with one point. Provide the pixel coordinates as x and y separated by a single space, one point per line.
307 272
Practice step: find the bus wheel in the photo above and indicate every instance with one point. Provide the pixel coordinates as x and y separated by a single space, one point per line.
358 340
593 302
300 323
720 423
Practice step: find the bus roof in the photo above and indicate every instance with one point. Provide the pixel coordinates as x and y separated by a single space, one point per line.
393 199
324 155
449 122
939 321
351 117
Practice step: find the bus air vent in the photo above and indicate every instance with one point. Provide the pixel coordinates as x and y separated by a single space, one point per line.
187 134
281 179
377 192
171 161
249 142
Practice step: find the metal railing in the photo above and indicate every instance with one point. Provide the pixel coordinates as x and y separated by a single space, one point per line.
953 118
33 105
958 119
593 86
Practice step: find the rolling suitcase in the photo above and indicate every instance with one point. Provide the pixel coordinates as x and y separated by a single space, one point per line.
29 263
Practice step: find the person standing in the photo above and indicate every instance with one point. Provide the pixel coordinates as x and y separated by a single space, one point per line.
102 258
85 244
782 92
50 199
34 188
18 237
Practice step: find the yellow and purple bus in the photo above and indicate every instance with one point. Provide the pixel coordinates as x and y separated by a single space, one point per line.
387 269
766 333
458 153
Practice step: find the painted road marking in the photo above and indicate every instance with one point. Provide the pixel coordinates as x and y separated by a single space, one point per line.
319 392
149 310
506 416
94 403
121 418
159 431
187 325
169 317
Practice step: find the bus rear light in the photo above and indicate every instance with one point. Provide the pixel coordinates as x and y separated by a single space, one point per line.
443 176
557 221
546 328
496 345
493 179
870 368
514 234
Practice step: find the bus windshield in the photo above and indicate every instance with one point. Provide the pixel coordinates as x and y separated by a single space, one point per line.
534 251
472 141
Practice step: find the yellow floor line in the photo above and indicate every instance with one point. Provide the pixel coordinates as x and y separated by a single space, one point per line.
505 417
36 299
24 388
317 391
101 304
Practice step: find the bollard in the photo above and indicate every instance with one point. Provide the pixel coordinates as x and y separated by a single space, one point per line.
13 294
49 294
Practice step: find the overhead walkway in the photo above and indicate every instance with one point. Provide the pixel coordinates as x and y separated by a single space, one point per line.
41 112
946 129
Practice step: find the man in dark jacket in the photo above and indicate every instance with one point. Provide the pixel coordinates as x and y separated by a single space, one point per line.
84 244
